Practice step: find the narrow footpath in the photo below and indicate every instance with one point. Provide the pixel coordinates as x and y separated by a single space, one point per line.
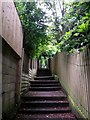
45 100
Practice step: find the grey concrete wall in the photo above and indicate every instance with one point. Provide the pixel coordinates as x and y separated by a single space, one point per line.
11 26
0 18
25 63
73 71
9 79
11 54
34 67
53 65
0 77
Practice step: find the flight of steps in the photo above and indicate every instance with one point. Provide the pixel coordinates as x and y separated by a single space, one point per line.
45 100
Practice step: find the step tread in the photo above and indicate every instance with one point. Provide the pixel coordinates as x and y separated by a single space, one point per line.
45 84
46 109
46 87
29 98
45 94
47 101
44 81
41 88
44 77
56 116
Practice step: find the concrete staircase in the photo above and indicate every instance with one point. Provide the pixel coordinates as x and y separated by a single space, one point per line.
45 100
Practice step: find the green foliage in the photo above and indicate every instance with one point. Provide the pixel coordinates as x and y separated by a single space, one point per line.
76 22
33 21
46 35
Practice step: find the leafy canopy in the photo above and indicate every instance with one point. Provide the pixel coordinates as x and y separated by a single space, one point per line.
33 22
46 35
76 23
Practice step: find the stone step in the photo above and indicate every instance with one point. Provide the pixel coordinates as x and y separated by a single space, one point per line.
44 81
44 85
44 98
43 71
44 78
45 110
44 94
56 116
55 88
45 103
44 74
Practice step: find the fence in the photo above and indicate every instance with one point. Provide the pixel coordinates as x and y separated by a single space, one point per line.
73 71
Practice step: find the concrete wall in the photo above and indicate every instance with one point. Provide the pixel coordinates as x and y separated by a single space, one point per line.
9 79
53 65
0 77
11 26
73 71
25 63
0 18
12 42
34 66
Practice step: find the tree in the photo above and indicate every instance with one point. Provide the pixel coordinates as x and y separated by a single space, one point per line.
46 35
77 20
33 22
